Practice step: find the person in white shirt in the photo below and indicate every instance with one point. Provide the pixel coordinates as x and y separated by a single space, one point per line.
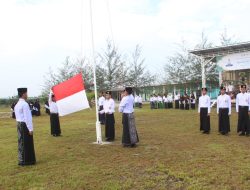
186 101
26 151
109 109
204 110
176 101
165 100
192 101
243 110
140 101
224 111
130 136
136 101
159 99
155 101
55 128
100 104
152 104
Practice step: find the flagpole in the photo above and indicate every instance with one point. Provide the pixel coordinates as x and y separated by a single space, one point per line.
98 125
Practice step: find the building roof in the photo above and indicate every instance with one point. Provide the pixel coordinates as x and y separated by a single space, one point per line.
209 53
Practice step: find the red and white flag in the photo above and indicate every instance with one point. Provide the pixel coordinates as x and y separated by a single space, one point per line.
71 96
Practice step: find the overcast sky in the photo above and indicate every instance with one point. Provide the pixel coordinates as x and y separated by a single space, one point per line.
38 34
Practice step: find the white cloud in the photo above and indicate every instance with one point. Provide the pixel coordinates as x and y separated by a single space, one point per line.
37 34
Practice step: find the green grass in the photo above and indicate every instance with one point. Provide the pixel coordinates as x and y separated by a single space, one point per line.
172 154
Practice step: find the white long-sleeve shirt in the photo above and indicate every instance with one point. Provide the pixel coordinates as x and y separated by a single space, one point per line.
165 99
52 105
23 113
242 99
170 98
139 99
224 101
204 102
159 99
127 104
109 106
177 97
101 101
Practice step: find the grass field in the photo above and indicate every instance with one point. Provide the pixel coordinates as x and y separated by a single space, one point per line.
172 154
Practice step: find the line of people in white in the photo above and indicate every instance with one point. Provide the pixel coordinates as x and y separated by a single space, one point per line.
224 109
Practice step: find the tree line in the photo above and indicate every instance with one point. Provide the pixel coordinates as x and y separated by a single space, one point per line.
115 69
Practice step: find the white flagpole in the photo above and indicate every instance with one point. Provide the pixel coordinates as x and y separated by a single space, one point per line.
98 125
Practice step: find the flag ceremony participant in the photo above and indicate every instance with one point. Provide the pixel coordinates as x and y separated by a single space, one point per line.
130 136
152 104
186 101
224 111
170 101
54 116
136 101
242 107
182 102
12 110
101 113
204 110
140 101
155 101
37 108
165 100
176 101
46 106
159 99
109 109
192 101
26 151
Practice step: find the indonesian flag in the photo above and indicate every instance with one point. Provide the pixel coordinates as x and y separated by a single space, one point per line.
70 96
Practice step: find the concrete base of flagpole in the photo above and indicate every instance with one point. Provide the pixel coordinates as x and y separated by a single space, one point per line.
103 143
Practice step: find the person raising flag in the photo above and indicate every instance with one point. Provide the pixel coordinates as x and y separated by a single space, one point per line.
54 117
130 136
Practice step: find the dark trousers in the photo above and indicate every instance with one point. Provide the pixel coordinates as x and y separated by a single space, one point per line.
177 104
152 105
224 124
192 106
55 128
182 106
170 105
101 116
110 127
243 120
140 105
204 120
26 151
129 132
166 105
156 105
187 106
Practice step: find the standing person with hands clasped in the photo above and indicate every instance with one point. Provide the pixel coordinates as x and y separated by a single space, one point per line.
224 111
26 151
243 109
130 136
109 109
204 110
